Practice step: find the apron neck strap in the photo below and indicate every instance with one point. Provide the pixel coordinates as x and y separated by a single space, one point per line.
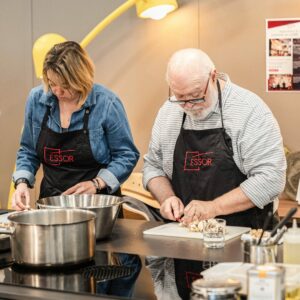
45 119
183 119
220 101
86 118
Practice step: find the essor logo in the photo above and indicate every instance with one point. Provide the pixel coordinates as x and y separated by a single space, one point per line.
56 157
194 160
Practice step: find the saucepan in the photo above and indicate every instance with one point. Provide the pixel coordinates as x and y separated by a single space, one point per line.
52 238
106 208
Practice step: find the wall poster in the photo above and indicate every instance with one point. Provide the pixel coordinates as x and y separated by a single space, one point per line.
283 54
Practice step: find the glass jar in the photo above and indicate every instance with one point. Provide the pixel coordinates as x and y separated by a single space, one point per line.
215 289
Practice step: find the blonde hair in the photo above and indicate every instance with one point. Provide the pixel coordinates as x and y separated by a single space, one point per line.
73 65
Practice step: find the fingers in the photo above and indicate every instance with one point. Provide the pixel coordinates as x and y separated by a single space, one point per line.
21 197
72 190
198 210
190 214
85 187
178 209
172 208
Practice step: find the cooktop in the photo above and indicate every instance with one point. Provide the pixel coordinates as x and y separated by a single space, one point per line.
117 274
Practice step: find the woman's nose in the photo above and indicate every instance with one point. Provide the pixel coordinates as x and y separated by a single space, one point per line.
58 91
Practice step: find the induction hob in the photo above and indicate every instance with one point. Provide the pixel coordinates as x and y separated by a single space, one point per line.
121 275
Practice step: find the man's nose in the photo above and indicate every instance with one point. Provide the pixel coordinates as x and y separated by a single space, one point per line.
188 104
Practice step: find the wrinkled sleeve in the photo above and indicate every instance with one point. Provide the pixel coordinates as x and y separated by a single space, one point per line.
124 154
153 160
27 162
263 159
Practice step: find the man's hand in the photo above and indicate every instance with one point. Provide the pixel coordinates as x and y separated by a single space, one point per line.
198 210
84 187
172 208
21 197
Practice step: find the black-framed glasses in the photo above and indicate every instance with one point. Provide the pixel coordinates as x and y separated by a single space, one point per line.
191 101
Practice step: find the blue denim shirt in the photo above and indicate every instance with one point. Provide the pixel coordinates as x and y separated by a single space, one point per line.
109 132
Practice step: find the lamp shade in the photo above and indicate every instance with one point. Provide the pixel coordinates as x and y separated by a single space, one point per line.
41 47
155 9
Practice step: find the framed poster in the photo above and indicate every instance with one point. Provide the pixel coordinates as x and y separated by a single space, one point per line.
283 55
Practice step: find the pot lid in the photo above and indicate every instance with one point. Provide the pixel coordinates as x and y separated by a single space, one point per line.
207 287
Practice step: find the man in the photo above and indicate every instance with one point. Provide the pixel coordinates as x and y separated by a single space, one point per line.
216 148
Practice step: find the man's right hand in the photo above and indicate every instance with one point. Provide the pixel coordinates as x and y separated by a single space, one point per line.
172 208
21 197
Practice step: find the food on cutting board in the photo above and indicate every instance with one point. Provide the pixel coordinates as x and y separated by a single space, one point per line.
198 226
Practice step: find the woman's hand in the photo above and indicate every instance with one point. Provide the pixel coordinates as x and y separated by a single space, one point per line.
21 197
172 208
84 187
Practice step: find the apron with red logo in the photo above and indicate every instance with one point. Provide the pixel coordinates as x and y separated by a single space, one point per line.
203 169
67 158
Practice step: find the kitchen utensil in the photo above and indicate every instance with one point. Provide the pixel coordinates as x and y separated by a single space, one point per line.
283 222
262 254
279 235
106 208
265 226
52 237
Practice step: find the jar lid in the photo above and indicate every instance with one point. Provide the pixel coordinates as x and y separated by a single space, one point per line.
206 287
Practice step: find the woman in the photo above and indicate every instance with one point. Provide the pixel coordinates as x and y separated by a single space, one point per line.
77 130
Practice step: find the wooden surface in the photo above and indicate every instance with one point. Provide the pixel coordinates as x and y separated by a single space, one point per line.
285 205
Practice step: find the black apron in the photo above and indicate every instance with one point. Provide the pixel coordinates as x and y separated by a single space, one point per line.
203 168
67 158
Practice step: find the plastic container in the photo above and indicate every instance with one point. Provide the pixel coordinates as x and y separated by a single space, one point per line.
291 245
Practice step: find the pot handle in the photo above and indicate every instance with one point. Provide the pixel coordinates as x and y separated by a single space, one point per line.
6 228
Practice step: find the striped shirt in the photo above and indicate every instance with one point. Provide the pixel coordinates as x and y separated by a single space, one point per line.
255 134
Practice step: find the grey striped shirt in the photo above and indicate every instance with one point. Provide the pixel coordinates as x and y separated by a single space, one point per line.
256 140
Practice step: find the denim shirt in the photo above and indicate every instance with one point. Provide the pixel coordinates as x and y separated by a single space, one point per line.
109 133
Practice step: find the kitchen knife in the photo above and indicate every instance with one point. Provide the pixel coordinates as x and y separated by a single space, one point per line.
291 212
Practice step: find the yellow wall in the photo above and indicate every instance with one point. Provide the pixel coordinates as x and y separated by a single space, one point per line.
131 55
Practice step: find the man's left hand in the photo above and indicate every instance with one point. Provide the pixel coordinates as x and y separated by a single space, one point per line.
198 210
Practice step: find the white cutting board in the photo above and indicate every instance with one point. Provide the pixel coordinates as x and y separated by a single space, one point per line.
174 230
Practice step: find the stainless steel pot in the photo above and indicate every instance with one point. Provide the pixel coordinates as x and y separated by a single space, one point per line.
106 208
52 237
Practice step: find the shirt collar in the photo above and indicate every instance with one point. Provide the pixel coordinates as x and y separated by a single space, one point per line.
224 92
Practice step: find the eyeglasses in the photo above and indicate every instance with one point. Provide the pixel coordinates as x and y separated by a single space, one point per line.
191 101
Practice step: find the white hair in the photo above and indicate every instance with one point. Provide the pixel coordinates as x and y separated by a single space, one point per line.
190 62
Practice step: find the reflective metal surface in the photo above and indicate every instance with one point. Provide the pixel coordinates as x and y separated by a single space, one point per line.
106 208
109 274
52 237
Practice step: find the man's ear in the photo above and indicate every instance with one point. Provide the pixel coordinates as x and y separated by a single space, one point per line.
214 75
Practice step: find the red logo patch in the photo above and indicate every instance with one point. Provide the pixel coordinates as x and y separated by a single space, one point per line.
194 160
56 157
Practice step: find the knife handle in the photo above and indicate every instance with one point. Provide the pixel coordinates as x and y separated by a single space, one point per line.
291 212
